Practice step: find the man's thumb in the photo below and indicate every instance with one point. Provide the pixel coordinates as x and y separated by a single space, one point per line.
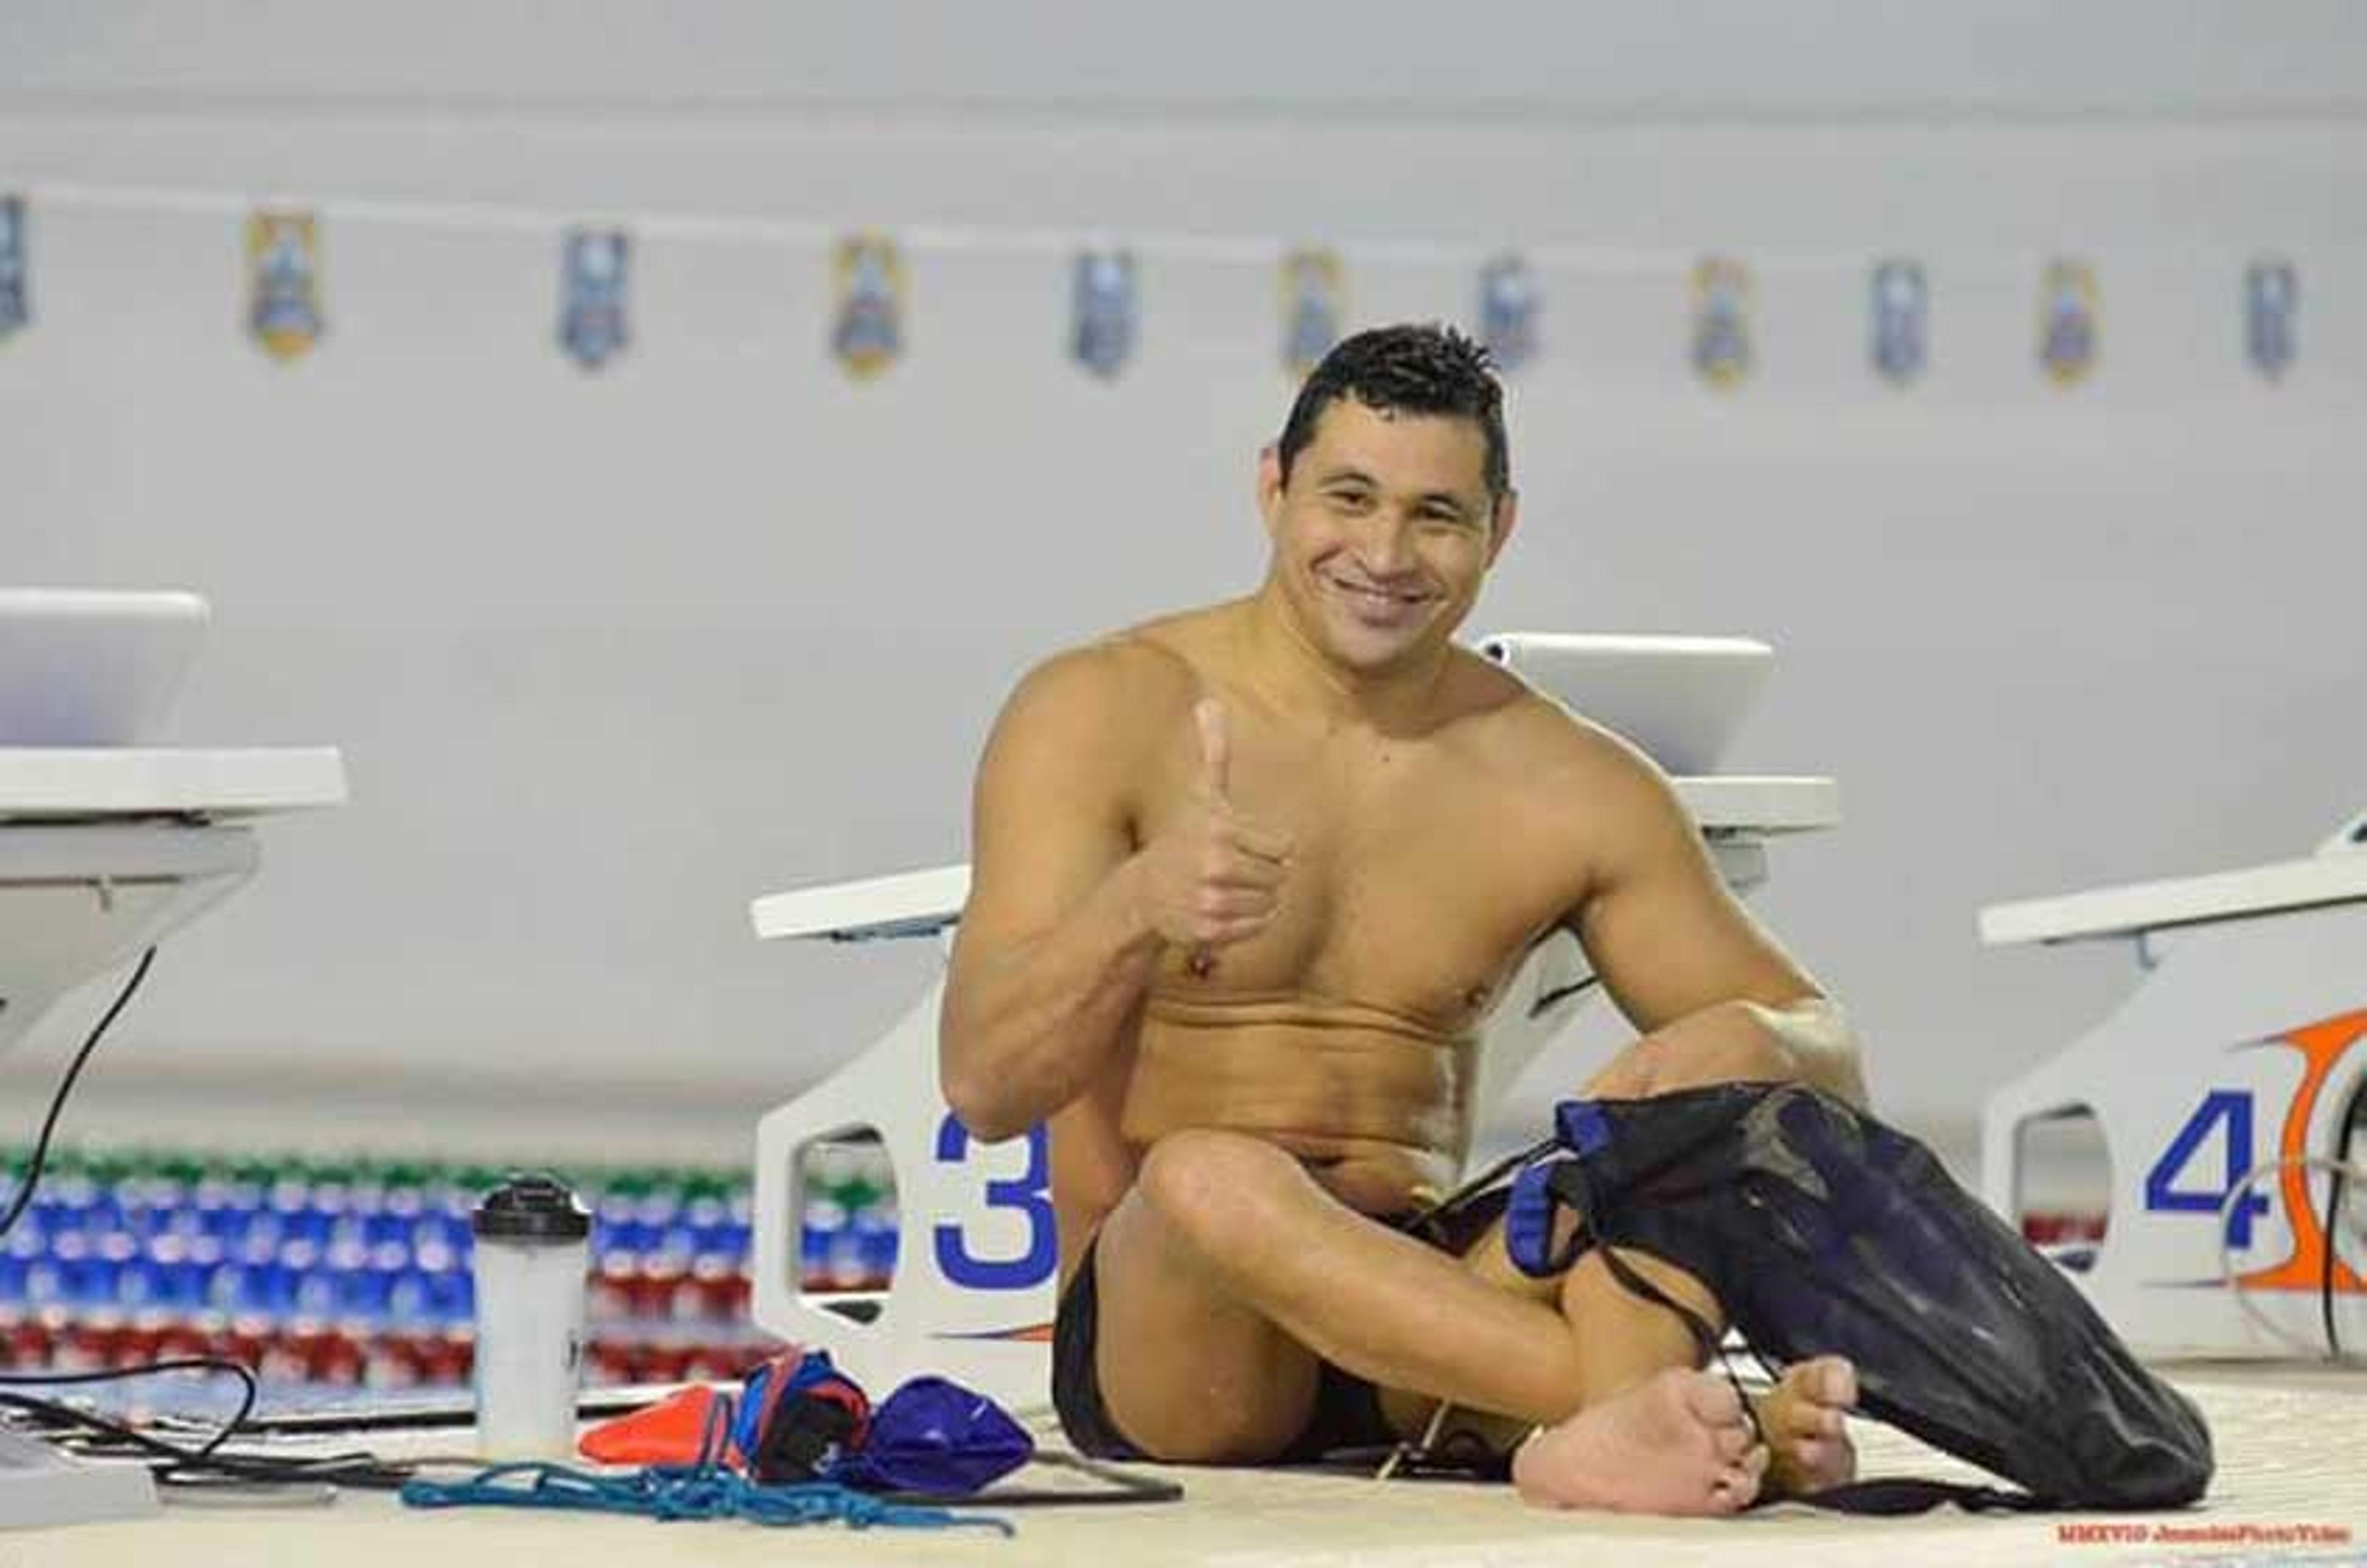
1215 745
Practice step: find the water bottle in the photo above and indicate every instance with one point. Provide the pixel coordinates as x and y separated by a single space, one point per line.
533 1242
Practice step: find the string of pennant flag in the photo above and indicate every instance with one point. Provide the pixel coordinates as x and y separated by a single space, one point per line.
287 316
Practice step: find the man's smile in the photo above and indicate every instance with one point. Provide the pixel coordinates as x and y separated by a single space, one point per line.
1376 604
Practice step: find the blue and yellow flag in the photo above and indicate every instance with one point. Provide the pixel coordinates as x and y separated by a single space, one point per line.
1721 347
1313 304
283 257
869 333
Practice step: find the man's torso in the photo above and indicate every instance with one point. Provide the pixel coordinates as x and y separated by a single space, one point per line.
1425 865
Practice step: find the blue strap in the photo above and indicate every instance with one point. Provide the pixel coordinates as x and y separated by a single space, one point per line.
1581 1126
744 1416
1529 1221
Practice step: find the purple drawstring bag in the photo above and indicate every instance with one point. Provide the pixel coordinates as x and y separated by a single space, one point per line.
935 1437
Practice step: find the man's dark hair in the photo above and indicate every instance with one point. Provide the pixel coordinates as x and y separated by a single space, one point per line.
1420 369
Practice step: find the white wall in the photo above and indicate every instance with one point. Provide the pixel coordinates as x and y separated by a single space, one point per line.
611 654
1814 56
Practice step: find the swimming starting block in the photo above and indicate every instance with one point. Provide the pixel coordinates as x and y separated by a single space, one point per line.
107 846
2221 1090
973 1294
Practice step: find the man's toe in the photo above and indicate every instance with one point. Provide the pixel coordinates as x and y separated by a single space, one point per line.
1712 1400
1832 1380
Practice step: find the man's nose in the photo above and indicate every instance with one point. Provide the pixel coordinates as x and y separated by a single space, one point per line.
1386 548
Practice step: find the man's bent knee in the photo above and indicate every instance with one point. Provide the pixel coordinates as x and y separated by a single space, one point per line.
1190 1372
1214 1189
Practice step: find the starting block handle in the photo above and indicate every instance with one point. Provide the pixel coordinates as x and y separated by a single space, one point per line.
911 903
2139 908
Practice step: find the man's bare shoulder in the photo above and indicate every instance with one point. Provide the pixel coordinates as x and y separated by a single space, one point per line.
1523 730
1133 680
1195 642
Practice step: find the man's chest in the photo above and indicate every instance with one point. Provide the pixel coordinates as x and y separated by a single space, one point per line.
1417 878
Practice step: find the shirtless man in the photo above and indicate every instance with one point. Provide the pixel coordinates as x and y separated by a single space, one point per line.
1246 880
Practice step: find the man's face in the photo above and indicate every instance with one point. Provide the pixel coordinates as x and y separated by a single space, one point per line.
1384 533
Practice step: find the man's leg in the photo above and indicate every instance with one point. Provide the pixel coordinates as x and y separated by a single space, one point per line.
1188 1372
1227 1264
1620 1341
1626 1342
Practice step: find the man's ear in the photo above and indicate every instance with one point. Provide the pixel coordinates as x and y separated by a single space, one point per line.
1508 514
1269 489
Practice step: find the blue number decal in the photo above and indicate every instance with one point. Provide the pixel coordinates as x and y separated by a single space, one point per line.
1024 1193
2232 1108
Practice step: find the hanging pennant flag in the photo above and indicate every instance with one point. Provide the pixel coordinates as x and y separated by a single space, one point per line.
1102 311
870 335
1721 321
1312 306
1508 311
283 255
16 304
1901 305
2068 335
593 273
2271 297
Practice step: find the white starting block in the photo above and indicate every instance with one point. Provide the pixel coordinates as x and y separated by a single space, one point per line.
2219 1090
973 1291
104 849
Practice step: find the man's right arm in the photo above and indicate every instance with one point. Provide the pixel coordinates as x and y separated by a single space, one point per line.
1052 953
1067 917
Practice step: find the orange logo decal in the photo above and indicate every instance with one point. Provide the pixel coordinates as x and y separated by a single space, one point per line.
2321 1045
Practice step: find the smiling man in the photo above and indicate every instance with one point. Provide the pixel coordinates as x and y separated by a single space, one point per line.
1246 881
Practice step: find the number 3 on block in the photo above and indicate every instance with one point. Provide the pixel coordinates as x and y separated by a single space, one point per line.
1023 1194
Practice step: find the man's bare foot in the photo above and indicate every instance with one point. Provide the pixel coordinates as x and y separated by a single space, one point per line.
1804 1420
1677 1443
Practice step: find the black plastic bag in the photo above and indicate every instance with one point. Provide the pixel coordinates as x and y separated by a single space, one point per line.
1823 1232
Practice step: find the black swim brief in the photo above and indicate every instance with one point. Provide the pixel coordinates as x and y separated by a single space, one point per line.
1347 1414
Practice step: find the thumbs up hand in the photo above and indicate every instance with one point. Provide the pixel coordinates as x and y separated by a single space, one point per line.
1216 747
1211 877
